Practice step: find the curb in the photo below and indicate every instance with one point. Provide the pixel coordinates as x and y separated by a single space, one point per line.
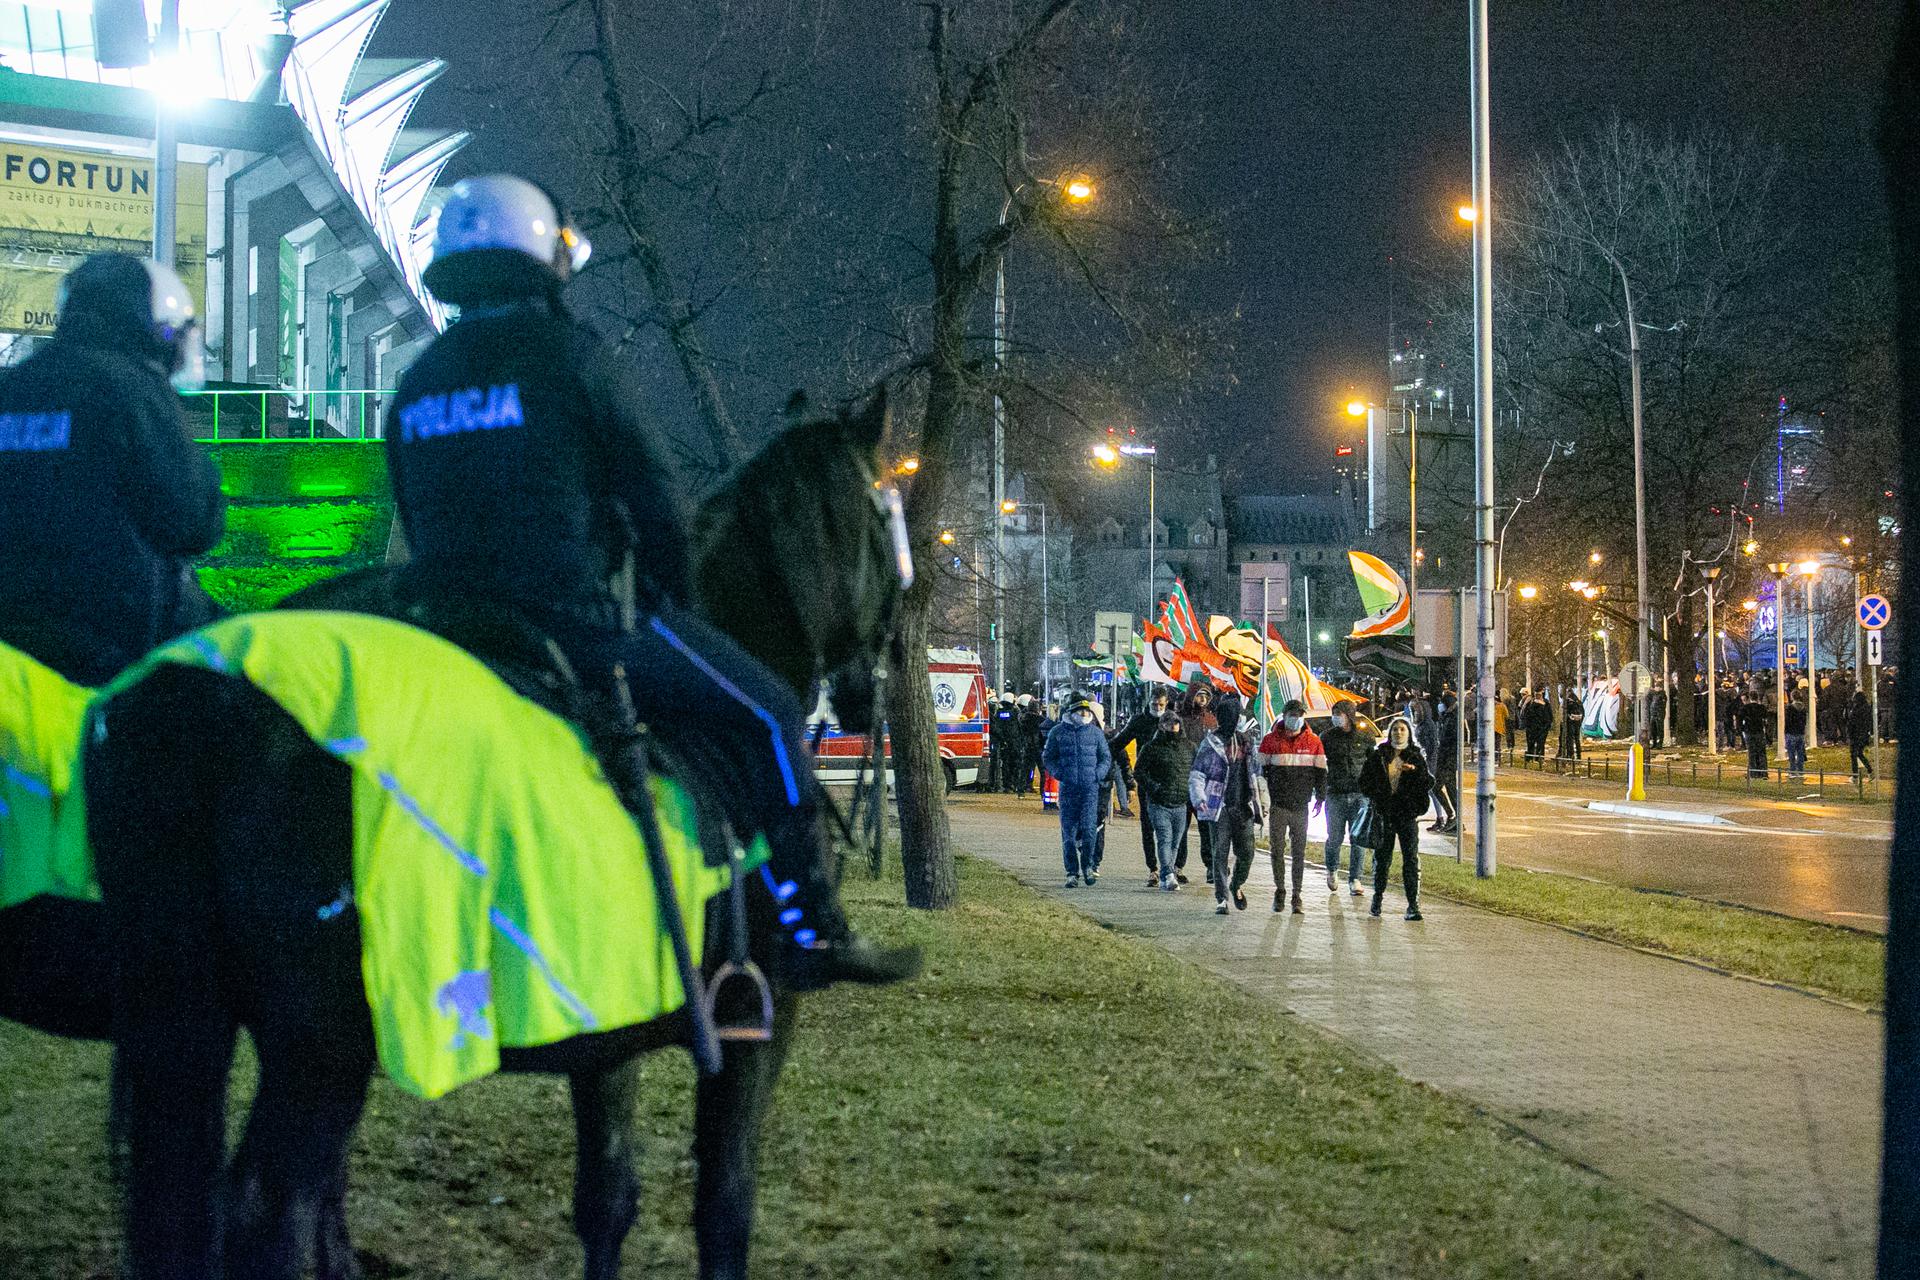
1689 816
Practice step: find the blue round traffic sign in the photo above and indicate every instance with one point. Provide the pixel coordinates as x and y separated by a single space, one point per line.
1875 612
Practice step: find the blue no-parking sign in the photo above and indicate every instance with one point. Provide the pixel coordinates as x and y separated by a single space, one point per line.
1875 612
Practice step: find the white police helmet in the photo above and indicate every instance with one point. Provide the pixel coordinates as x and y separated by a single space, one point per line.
127 299
501 235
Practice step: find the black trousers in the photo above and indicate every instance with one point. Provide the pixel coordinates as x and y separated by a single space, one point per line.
1857 758
1405 833
1756 755
727 718
1146 837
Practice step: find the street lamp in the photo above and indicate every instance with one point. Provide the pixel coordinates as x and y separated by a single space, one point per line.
1108 455
1368 410
1711 572
906 466
1009 507
1361 409
1811 568
1780 569
1529 594
1594 557
1077 189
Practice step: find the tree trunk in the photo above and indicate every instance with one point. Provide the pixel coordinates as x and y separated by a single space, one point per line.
926 844
1686 665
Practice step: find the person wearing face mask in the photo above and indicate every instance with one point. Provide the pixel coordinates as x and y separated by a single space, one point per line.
1347 747
1221 791
1295 765
1163 769
1198 720
1077 755
1399 785
1138 731
1446 762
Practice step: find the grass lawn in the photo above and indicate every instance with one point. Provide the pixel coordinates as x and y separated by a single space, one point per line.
1051 1100
1694 768
1844 962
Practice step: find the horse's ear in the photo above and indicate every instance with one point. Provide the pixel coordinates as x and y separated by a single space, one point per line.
869 423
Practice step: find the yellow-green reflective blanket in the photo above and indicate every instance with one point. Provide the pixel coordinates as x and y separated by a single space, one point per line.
502 890
43 824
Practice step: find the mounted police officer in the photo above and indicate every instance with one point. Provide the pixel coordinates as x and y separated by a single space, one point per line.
523 470
104 496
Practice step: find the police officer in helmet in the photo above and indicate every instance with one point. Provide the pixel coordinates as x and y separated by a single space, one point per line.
104 496
521 468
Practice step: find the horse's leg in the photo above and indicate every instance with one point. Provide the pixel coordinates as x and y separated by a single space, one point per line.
606 1188
288 1177
729 1109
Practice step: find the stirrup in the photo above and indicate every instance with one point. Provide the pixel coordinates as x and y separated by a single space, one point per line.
741 1032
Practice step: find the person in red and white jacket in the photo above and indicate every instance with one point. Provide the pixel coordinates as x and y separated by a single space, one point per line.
1295 766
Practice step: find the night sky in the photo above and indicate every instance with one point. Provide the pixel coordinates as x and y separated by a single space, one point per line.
1336 140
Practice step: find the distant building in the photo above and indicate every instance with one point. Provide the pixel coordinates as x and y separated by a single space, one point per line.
1311 534
1110 542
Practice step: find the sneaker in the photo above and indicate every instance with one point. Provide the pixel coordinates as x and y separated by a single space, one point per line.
1413 911
1170 884
1219 906
1153 880
1297 910
1354 890
1073 882
1279 901
1092 876
1333 882
1181 876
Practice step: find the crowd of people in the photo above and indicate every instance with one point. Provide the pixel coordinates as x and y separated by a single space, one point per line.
1196 771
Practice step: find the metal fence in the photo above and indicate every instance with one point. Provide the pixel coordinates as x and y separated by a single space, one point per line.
241 415
1776 781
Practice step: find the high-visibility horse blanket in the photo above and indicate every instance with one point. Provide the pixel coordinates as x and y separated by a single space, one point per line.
502 891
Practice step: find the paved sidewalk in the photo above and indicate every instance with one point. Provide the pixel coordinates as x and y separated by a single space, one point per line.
1752 1108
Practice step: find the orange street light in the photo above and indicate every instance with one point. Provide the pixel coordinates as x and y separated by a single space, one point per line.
1528 593
1808 567
1106 455
946 536
1468 213
1079 188
1594 557
1750 547
1578 584
1008 506
906 466
1357 408
1750 605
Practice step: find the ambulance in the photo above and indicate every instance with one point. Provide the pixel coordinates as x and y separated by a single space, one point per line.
959 706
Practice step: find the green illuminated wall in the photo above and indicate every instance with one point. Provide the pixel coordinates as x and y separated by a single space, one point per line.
298 511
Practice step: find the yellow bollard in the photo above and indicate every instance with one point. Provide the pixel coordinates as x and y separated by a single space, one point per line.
1636 772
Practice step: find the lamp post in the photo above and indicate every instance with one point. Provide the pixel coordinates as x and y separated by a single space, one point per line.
1363 409
1371 411
1811 568
1528 595
1078 189
1779 569
1010 507
1711 573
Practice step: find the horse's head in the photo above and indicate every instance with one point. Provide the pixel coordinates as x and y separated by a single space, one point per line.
802 556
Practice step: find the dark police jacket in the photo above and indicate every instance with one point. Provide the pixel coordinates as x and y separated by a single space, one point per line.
103 498
513 442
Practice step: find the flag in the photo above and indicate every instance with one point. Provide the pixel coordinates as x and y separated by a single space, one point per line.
1384 596
1182 626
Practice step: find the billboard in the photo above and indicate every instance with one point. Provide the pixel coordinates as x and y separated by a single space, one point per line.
58 205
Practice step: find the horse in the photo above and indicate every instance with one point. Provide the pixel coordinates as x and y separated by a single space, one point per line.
217 823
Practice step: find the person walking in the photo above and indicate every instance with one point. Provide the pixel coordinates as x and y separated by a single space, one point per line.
1501 717
1077 755
1859 733
1196 715
1221 789
1797 733
1572 712
1347 747
1537 719
1164 765
1003 739
1397 783
1446 758
1295 764
1754 722
1139 730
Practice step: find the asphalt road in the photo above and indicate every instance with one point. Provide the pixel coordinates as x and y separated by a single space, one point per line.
1820 862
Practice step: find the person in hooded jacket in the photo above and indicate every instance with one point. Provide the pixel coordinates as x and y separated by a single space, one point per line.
1446 764
104 496
1003 744
104 500
1536 718
1077 755
1859 725
1221 790
1166 761
1399 786
1197 721
1139 729
1347 746
1295 765
524 472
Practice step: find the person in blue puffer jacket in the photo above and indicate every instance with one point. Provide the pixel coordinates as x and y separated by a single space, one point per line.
1076 754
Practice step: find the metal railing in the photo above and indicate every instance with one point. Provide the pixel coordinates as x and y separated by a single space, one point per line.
239 415
1776 781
